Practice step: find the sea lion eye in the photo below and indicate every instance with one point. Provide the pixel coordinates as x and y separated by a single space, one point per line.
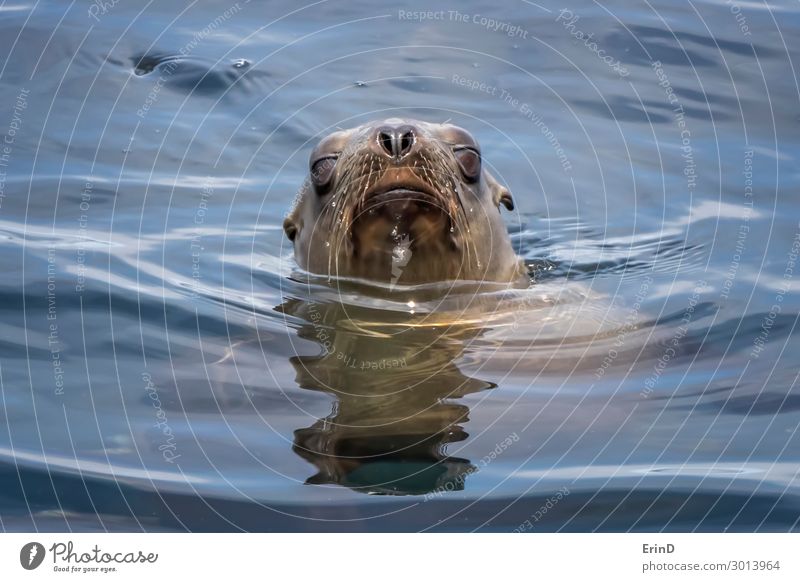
469 160
322 171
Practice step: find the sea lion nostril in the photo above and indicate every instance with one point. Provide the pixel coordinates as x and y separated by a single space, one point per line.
396 142
386 139
406 142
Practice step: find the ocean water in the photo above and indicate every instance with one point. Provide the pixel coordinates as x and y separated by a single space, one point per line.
163 366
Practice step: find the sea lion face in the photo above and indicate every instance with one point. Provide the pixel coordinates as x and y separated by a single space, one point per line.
402 202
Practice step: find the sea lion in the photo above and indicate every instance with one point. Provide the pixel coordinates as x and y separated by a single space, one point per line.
402 202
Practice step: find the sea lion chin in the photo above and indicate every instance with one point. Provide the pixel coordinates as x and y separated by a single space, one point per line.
402 202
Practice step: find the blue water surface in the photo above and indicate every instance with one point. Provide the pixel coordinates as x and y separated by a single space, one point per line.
161 366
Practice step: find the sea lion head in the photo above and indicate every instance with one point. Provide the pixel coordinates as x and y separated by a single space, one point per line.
405 202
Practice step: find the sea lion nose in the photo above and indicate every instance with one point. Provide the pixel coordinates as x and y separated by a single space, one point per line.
396 142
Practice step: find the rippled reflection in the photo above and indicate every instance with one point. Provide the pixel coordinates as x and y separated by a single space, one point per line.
396 388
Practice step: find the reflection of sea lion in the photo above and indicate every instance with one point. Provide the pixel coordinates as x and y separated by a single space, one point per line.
402 201
397 402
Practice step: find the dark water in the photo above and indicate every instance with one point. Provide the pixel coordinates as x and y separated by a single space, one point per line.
163 367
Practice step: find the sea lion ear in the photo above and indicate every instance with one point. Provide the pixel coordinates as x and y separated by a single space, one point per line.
504 197
290 228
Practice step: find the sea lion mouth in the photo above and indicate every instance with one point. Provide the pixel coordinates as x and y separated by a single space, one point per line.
404 191
400 212
399 201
